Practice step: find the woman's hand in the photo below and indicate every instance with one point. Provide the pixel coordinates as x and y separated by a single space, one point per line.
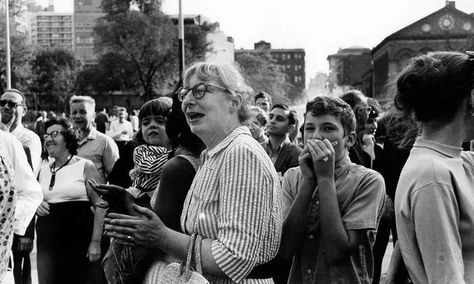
119 199
145 230
43 209
93 252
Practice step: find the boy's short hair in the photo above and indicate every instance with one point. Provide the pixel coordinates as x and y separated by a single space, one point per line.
83 99
262 95
322 105
292 116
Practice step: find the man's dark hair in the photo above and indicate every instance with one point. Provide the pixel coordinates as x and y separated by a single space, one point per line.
292 116
352 97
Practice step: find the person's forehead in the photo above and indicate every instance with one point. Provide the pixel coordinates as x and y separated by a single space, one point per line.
280 112
262 100
362 103
54 127
12 96
322 119
81 106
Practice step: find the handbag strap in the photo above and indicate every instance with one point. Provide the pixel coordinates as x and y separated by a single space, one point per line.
186 267
197 254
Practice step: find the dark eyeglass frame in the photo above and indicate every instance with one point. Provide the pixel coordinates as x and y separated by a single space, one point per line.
196 92
53 134
11 104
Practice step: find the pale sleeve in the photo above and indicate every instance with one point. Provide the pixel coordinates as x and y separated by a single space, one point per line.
35 151
110 155
363 212
289 189
246 192
29 194
435 215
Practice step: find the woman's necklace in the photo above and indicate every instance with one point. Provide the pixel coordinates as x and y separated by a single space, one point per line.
54 171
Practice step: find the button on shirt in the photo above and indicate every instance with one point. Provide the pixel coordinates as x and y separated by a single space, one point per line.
101 150
235 201
360 194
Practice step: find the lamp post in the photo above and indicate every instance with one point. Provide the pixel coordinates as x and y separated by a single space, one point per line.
7 19
181 41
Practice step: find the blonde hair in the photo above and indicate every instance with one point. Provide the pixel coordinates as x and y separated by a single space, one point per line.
227 76
83 99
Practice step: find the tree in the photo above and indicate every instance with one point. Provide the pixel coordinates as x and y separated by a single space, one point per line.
54 74
263 74
146 42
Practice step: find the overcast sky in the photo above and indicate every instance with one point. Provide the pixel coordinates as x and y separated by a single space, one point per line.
320 27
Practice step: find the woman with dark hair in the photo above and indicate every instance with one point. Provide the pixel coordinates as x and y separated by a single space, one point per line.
69 232
434 201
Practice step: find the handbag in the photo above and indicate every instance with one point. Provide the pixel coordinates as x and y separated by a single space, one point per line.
181 273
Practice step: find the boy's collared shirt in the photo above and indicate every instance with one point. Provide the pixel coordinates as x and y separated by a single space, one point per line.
360 193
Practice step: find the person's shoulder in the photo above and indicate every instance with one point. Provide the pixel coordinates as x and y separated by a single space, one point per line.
9 140
365 175
177 164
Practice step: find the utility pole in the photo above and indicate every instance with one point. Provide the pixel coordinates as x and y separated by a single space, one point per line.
181 41
7 17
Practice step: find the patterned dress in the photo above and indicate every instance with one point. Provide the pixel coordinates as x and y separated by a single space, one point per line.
7 209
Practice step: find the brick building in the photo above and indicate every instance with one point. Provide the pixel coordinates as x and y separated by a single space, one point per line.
447 29
292 62
348 65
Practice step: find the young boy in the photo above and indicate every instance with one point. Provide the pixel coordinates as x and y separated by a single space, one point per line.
332 206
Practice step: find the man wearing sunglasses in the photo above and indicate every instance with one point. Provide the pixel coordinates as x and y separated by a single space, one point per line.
13 109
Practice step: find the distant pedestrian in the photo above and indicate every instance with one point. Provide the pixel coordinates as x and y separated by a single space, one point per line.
101 119
264 101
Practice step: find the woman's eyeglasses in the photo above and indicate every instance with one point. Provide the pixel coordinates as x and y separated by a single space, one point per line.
10 104
53 134
198 91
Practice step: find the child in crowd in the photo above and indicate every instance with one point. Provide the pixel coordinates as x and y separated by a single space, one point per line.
332 206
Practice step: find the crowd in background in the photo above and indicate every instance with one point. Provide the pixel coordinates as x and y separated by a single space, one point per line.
264 198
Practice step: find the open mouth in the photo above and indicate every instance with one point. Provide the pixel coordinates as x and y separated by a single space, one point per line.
194 115
153 133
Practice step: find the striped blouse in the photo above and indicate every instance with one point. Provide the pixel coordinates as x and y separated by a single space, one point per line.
235 200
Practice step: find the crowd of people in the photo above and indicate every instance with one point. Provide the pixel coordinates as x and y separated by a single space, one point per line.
224 180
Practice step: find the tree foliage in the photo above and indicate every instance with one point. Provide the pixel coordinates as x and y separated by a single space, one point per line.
54 74
145 42
263 74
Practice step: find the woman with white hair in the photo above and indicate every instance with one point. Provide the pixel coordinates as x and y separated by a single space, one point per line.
233 202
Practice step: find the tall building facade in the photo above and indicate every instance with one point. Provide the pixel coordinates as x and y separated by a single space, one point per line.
292 62
86 12
50 29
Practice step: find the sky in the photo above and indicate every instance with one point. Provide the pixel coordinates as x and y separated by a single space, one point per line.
321 27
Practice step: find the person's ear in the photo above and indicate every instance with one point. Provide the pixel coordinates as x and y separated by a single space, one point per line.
290 128
235 102
350 140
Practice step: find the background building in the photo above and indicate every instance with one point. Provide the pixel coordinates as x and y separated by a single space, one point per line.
51 29
292 62
348 65
86 12
447 29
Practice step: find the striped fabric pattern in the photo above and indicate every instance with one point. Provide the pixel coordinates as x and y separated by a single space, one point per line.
235 201
149 161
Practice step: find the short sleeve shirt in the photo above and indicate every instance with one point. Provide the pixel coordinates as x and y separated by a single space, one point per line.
360 194
101 150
